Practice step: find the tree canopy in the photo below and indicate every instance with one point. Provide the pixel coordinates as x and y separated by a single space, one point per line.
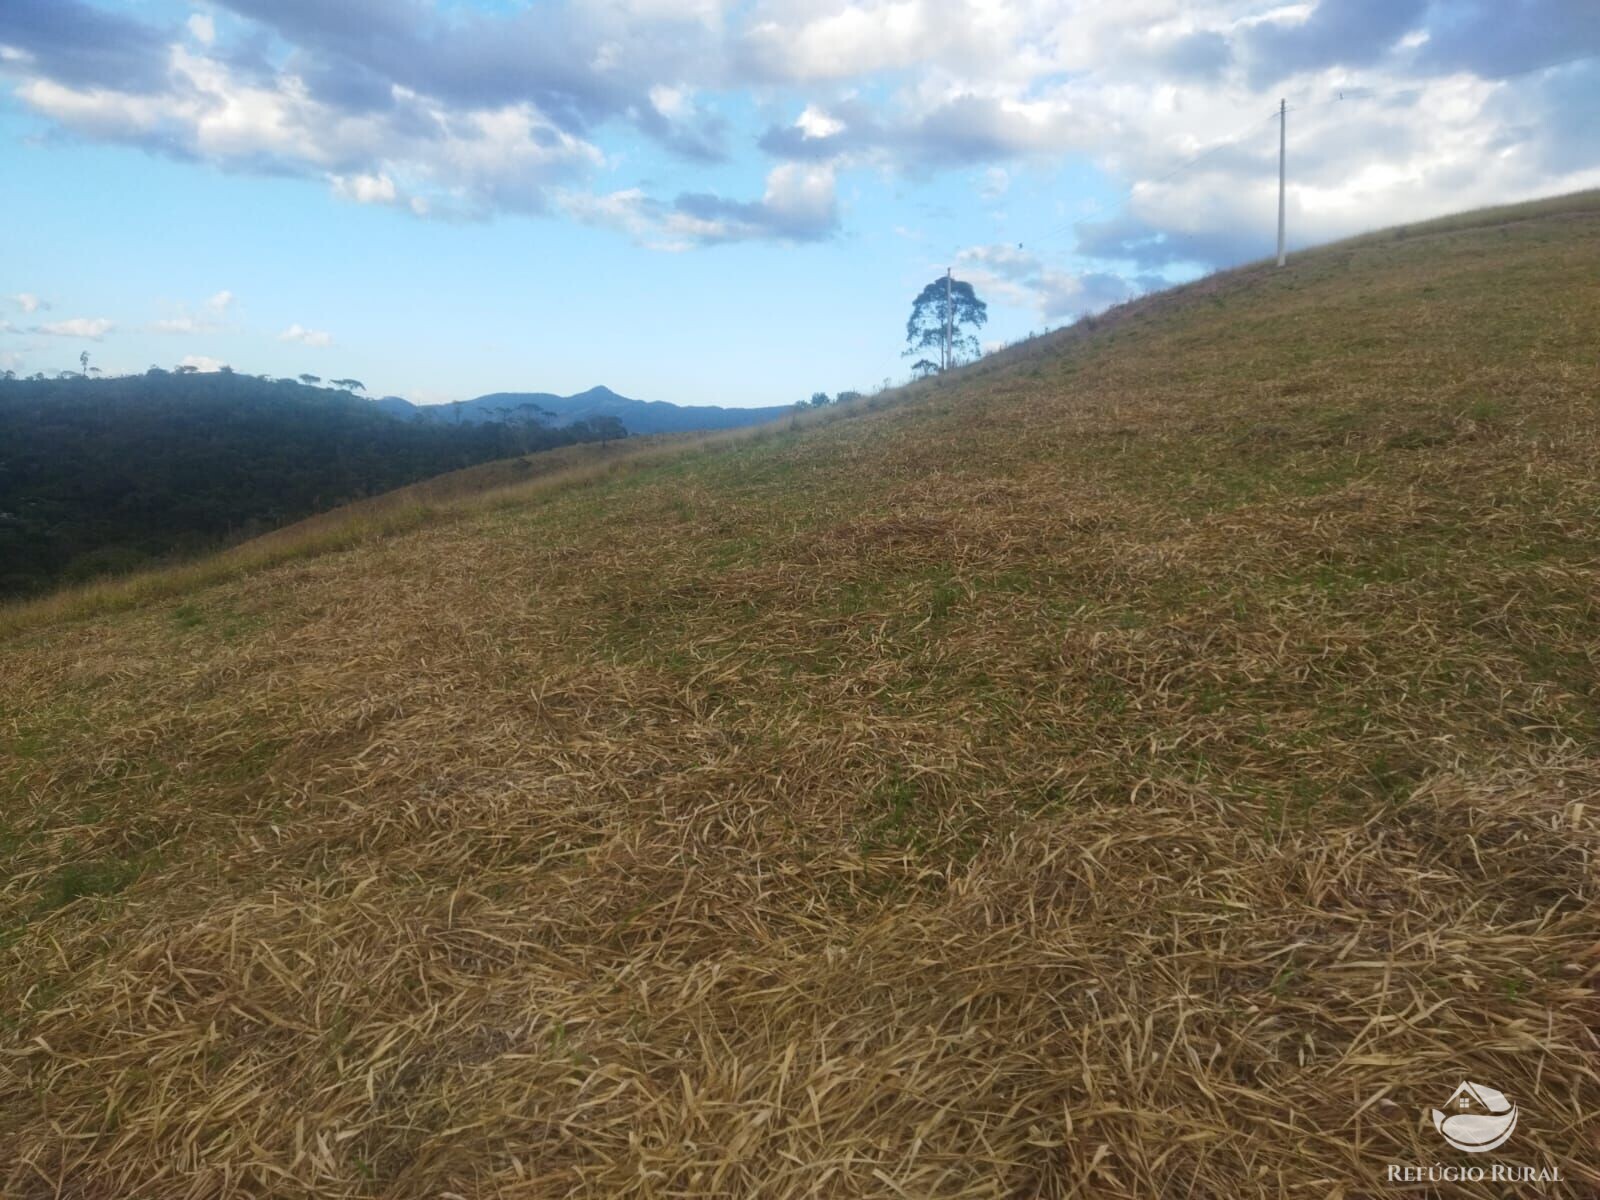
100 475
944 318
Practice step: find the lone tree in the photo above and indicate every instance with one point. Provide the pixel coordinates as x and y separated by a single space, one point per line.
308 380
350 385
939 315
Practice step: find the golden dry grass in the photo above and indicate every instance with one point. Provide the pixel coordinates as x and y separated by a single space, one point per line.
1157 762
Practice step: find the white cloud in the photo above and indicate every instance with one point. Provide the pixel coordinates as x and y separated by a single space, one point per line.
306 337
221 301
798 204
467 162
629 210
814 123
1016 276
802 193
674 102
854 39
202 362
1143 86
499 108
28 302
93 328
365 189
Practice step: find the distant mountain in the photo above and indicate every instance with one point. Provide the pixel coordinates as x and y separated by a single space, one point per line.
637 416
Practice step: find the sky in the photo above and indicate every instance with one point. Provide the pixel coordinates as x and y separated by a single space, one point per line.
710 202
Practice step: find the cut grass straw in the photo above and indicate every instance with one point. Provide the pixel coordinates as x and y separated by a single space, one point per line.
1157 762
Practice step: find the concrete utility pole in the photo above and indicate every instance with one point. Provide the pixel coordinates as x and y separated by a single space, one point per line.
949 315
1283 143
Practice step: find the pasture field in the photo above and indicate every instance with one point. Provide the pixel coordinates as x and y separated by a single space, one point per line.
1159 760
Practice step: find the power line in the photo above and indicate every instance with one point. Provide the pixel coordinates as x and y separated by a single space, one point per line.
1283 158
1277 114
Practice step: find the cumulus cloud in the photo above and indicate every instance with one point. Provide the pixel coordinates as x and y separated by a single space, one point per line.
1347 33
306 337
202 28
460 111
1493 40
798 205
202 362
807 43
389 99
963 127
365 189
28 302
93 328
1439 111
221 301
484 159
381 189
1353 166
629 210
1022 279
81 45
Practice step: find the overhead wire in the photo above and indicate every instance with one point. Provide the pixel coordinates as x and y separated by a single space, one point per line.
1344 96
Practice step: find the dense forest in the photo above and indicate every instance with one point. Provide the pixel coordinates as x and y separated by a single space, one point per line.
106 475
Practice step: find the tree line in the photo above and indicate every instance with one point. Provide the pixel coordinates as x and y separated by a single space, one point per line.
101 475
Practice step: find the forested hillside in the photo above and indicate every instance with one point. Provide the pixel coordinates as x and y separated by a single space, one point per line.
104 475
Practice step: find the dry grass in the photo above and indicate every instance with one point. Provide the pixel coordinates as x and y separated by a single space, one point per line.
1159 763
441 498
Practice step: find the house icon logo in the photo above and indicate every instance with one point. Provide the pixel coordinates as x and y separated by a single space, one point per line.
1476 1118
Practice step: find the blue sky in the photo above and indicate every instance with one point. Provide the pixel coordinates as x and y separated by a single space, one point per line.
714 203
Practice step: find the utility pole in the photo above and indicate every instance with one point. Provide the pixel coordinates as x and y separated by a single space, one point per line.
1283 144
949 314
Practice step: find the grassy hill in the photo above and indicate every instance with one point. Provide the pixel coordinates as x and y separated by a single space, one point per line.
1157 761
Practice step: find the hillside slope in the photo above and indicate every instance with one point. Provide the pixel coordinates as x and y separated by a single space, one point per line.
1158 761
